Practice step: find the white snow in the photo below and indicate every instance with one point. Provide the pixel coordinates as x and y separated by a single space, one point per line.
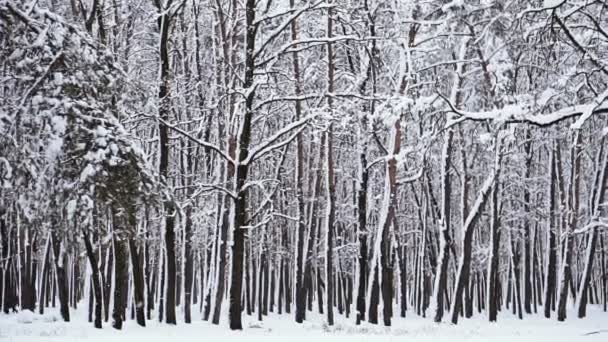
101 131
49 328
25 317
71 208
551 3
485 138
54 147
59 124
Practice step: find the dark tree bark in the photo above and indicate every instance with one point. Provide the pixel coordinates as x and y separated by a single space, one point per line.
6 290
299 174
266 283
164 110
598 197
329 226
362 234
150 277
109 272
61 263
313 225
95 279
551 243
386 219
121 270
44 280
441 276
138 282
188 268
330 180
527 283
240 204
161 293
604 276
464 268
403 280
374 298
573 206
221 264
515 260
493 295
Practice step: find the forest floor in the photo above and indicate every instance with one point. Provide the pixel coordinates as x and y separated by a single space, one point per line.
28 327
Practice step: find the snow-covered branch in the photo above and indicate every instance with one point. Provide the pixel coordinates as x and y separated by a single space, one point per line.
197 141
271 144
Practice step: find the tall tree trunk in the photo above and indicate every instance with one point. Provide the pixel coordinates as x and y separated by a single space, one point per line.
599 195
362 235
330 180
222 242
313 225
138 282
527 283
108 282
240 205
299 173
493 295
464 266
164 110
604 277
551 236
441 276
44 276
515 261
95 279
221 245
188 267
121 269
383 239
61 264
573 205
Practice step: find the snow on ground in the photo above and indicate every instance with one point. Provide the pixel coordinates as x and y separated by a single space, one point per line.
28 327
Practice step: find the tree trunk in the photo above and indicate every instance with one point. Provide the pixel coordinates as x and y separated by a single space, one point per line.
138 282
445 239
551 243
121 269
313 225
44 277
164 110
299 173
573 205
61 264
95 279
527 283
383 239
362 234
493 296
330 180
599 195
464 266
188 267
240 205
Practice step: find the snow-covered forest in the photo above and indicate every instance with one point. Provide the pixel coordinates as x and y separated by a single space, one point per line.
355 160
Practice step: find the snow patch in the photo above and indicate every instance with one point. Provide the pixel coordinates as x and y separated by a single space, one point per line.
485 138
54 148
552 3
26 317
59 124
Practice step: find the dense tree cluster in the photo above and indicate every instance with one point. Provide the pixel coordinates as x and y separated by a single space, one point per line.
439 158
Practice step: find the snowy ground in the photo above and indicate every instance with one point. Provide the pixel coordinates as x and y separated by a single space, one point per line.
24 327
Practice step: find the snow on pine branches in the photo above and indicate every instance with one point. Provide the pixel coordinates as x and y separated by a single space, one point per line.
61 131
